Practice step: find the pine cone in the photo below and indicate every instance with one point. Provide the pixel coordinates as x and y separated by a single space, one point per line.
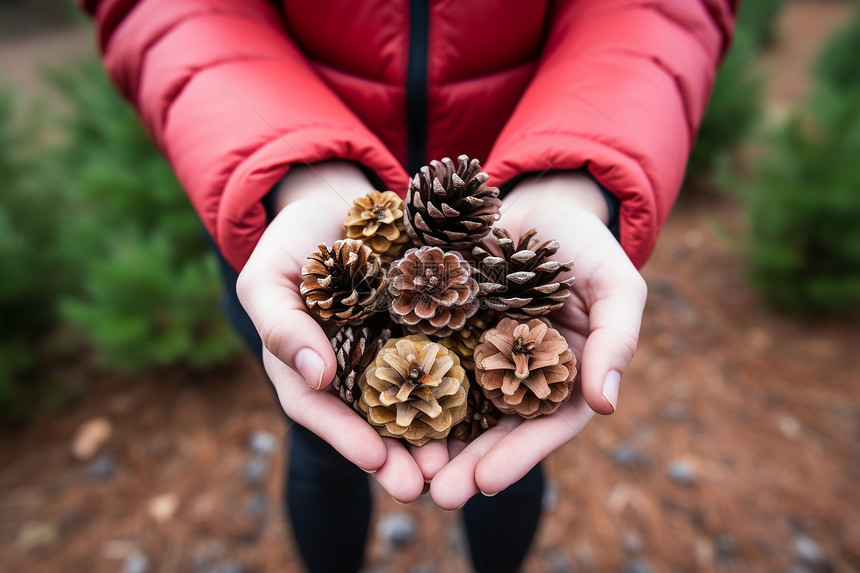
415 389
464 341
377 219
517 280
344 285
432 291
451 207
481 415
355 349
525 368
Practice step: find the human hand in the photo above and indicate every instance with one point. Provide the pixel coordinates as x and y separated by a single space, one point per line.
312 203
600 322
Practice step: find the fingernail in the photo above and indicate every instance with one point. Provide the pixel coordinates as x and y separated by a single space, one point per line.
398 502
367 471
610 387
485 494
311 366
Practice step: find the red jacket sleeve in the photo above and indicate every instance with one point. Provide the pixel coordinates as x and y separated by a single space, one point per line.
620 90
231 103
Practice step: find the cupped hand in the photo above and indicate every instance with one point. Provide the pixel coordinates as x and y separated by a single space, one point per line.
600 321
312 203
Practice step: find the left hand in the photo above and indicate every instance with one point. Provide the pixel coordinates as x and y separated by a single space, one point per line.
600 321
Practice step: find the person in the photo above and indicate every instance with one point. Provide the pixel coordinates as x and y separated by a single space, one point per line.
275 115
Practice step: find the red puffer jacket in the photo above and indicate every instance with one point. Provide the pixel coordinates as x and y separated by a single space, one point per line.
235 91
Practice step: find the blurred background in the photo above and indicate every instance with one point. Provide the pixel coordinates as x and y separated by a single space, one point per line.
137 437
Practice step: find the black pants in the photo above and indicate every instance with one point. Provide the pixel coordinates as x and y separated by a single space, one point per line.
328 500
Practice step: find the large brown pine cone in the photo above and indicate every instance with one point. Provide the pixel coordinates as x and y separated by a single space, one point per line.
355 349
377 219
415 390
464 341
432 291
344 284
481 415
525 368
517 278
451 207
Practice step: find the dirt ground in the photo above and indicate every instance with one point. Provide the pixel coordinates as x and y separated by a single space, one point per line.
736 445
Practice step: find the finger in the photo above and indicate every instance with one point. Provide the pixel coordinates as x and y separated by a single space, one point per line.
522 448
454 484
400 475
327 416
615 320
268 289
431 457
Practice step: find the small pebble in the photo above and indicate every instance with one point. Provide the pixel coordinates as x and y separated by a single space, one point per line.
808 550
90 437
102 468
675 412
557 562
232 567
422 568
36 534
637 566
398 529
256 505
263 443
205 552
624 456
682 472
549 501
163 507
137 562
255 471
632 542
798 568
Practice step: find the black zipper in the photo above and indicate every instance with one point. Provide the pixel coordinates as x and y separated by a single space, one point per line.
416 86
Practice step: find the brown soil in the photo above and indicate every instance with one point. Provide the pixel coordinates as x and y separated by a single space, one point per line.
764 411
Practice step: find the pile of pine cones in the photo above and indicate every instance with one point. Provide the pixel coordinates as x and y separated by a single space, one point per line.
440 313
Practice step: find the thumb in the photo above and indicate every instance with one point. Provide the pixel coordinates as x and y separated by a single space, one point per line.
614 322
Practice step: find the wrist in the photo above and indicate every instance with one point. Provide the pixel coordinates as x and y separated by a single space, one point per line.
570 188
333 179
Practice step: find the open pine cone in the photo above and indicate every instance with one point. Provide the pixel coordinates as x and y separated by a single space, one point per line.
464 341
481 415
355 349
377 219
517 280
525 368
344 284
451 207
432 291
415 390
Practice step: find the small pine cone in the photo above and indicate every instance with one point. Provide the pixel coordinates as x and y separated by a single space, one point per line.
344 284
377 219
451 207
525 368
355 349
464 341
519 281
481 415
432 291
415 389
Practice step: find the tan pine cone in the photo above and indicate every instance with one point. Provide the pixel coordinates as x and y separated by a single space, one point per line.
377 219
481 415
344 284
432 291
525 368
465 340
451 207
518 279
355 349
415 389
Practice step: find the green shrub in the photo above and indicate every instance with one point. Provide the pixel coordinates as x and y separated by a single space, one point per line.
732 111
838 66
758 19
33 273
803 208
149 286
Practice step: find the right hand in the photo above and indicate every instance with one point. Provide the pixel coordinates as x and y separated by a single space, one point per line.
297 354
